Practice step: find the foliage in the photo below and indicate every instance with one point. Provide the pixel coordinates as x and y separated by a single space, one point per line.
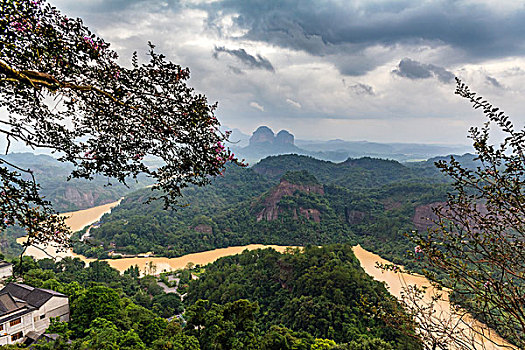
300 177
479 237
226 214
260 291
224 327
95 302
64 89
75 194
359 173
321 291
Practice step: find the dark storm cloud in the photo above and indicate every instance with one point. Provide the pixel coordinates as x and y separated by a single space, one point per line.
252 61
331 27
494 82
411 69
116 6
342 31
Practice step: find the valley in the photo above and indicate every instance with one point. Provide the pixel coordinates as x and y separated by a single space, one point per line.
282 201
396 282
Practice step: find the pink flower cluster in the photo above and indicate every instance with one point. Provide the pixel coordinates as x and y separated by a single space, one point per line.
19 27
418 252
220 147
96 46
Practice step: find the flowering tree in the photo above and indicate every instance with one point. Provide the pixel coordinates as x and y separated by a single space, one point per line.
63 89
479 234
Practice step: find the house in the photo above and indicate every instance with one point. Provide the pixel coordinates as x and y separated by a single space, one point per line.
25 309
6 269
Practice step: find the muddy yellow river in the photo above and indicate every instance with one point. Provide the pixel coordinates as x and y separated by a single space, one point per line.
466 327
76 221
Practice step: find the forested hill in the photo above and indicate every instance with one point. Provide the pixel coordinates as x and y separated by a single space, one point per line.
320 292
310 299
287 200
75 194
352 173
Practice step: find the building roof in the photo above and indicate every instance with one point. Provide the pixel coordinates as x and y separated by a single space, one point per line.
8 304
4 263
33 296
11 307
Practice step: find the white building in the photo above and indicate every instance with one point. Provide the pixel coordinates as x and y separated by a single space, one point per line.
6 269
25 309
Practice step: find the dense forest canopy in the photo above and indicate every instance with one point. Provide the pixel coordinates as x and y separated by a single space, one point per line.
372 205
316 298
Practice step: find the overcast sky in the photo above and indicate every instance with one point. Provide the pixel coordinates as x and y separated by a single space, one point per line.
355 70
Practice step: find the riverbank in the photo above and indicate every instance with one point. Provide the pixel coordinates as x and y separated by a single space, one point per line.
396 282
76 221
444 313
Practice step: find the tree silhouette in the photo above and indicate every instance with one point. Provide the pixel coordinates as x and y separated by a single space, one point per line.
63 89
479 235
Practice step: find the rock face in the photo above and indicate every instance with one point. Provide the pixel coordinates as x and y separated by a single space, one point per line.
283 137
202 228
263 134
271 207
424 216
81 199
354 217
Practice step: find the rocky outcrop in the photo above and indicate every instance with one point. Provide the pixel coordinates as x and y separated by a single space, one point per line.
80 199
354 217
424 216
283 137
202 228
271 209
391 204
263 134
311 214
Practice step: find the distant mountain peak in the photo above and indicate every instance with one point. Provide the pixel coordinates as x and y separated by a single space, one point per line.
283 137
265 135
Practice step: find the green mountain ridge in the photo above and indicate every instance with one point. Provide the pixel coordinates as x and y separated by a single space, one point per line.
75 194
286 200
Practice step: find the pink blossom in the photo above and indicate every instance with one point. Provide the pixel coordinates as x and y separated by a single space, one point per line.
20 27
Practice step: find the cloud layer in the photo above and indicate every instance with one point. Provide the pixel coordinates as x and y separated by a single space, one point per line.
256 61
411 69
359 69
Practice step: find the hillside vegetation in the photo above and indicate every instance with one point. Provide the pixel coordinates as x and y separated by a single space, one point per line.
75 194
286 200
318 298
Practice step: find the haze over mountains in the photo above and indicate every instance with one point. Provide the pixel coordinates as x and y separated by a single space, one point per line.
264 142
74 194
